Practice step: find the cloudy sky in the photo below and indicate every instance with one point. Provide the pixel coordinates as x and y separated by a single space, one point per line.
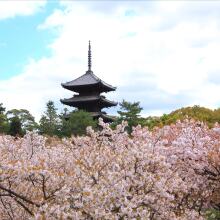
165 54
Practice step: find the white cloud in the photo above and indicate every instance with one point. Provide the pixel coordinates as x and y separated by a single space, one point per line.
165 62
10 8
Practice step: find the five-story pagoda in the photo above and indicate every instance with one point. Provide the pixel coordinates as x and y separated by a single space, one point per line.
89 88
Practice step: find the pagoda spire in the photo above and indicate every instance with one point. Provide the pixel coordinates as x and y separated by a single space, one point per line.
89 58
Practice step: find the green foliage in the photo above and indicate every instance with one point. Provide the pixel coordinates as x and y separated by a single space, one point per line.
50 122
77 123
65 124
15 127
150 122
4 126
129 112
27 120
208 116
196 112
2 109
53 124
213 214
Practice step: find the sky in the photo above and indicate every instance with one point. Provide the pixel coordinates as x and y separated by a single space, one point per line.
164 54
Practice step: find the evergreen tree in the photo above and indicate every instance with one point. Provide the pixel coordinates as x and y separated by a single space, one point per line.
15 127
50 121
27 120
2 109
129 112
77 123
3 120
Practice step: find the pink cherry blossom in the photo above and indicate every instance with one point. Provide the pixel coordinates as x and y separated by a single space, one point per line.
168 173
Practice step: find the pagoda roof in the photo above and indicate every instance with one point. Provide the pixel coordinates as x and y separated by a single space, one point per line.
85 99
88 79
96 115
103 115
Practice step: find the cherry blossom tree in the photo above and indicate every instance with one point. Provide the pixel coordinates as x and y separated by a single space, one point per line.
168 173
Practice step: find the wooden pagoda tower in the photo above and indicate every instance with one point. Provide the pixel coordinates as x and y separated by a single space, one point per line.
89 88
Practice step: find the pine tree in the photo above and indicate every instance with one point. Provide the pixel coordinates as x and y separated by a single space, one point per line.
130 113
50 122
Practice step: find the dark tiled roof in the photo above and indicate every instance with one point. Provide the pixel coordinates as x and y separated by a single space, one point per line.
97 114
87 79
103 115
77 99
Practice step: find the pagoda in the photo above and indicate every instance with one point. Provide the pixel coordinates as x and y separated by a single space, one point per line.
88 98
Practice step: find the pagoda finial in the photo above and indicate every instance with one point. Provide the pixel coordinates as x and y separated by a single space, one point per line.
89 58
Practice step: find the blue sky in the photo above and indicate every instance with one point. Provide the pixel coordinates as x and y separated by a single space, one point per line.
164 54
21 40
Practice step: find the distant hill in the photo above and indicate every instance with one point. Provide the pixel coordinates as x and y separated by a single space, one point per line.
210 117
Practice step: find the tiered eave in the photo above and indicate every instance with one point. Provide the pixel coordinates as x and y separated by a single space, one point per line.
88 82
79 101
